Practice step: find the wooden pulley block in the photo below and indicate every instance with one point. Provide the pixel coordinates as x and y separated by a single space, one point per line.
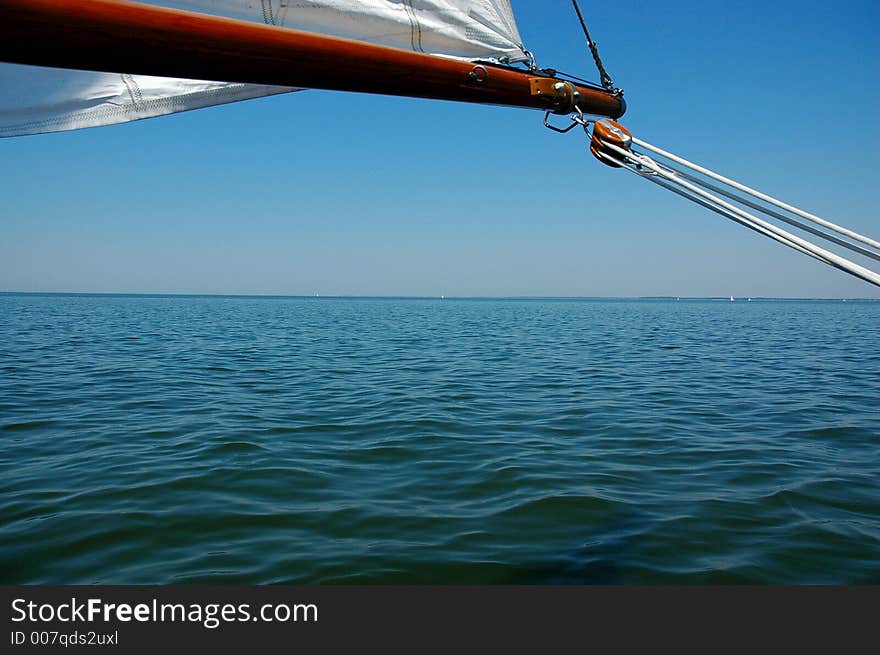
609 131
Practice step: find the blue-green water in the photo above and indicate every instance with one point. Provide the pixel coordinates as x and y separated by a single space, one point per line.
312 440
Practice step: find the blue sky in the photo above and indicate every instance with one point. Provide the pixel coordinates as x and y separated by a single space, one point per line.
345 194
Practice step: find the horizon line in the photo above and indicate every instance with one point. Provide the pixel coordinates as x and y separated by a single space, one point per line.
149 294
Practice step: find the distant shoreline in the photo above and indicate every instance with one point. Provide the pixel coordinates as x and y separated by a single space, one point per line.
98 294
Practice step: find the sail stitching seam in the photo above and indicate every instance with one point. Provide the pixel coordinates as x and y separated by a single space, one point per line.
134 91
268 18
415 26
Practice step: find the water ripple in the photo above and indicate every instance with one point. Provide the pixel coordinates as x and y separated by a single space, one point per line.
300 440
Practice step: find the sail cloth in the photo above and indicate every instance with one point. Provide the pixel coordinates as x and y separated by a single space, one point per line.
34 100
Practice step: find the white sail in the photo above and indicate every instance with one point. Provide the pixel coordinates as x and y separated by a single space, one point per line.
35 100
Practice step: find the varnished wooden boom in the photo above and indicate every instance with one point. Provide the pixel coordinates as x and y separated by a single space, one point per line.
130 37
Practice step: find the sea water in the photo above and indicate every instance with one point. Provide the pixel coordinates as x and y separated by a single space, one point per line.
150 439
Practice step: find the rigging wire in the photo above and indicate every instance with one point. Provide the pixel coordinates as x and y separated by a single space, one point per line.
604 77
572 78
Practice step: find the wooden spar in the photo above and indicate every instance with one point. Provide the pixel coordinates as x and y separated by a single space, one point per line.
136 38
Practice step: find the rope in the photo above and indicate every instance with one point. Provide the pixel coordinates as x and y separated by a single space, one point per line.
777 215
694 189
604 77
758 194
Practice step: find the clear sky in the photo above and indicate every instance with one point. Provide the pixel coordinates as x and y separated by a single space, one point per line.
345 194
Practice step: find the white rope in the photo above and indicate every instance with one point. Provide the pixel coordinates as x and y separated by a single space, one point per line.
710 205
631 161
751 225
757 194
777 215
765 210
